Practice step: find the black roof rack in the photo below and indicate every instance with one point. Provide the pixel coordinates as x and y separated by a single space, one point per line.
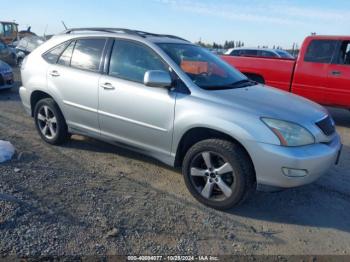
122 30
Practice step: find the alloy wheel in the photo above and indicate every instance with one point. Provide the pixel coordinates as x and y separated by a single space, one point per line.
212 175
47 122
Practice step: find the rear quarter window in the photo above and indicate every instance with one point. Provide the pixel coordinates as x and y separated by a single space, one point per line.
67 55
52 55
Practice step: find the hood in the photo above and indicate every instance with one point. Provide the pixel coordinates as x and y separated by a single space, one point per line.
266 101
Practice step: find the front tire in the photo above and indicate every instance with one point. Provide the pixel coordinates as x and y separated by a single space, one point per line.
50 122
218 173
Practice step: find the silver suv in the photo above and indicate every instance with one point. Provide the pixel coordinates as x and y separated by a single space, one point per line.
179 103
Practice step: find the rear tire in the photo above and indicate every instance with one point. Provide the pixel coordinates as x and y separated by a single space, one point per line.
50 122
231 172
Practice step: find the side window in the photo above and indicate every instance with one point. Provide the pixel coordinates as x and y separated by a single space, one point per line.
87 54
235 53
344 53
66 55
53 55
320 51
249 52
267 53
7 30
130 61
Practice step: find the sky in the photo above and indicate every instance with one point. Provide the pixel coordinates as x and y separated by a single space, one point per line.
255 22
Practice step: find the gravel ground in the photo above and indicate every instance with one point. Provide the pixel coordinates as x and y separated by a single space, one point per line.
91 198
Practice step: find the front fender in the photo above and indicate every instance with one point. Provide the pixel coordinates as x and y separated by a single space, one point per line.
241 126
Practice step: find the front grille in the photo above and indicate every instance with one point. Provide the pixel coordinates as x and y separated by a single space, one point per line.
326 125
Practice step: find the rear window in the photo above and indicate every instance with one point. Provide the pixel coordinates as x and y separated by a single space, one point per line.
320 51
87 54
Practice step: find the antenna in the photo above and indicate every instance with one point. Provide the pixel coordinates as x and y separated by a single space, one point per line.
45 30
64 25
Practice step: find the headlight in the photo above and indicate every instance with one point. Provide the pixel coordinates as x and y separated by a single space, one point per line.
289 134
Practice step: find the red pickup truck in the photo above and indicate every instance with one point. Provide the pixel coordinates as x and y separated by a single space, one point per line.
321 72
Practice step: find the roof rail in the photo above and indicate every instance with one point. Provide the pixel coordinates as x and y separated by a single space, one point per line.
122 30
97 29
142 33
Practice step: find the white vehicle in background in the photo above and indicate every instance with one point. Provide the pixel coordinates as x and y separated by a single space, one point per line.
262 52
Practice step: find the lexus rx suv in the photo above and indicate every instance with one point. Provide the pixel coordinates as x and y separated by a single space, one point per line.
179 103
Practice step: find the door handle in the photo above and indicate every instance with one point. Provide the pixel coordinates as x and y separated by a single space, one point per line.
336 73
54 73
107 86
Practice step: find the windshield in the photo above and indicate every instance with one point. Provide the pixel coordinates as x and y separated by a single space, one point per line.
284 54
205 69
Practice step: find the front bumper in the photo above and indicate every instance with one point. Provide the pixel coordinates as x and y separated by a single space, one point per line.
269 161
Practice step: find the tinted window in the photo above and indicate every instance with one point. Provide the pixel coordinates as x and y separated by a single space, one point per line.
343 57
249 52
284 54
53 54
131 60
267 53
2 45
235 53
320 51
87 54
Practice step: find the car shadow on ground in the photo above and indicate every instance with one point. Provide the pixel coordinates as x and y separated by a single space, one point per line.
313 205
97 146
310 206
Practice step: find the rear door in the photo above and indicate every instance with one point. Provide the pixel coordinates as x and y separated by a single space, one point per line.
74 78
130 112
310 77
338 90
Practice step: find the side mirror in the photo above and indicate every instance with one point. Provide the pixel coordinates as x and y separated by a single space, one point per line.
157 78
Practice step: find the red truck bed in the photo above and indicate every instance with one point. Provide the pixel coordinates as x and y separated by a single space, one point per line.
280 78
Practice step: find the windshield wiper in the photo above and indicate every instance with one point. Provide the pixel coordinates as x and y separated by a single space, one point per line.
243 83
239 84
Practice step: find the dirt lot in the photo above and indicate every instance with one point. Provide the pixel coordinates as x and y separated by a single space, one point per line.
88 197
